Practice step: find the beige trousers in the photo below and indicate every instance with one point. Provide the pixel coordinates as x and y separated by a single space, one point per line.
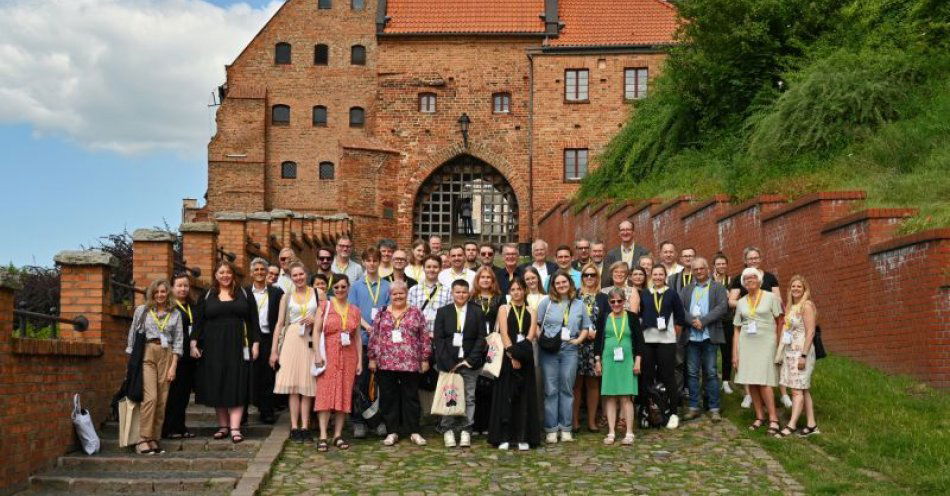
155 365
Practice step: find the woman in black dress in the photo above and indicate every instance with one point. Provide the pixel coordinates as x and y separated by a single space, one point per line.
225 339
515 422
487 297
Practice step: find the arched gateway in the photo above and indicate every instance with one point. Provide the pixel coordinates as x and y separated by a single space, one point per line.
466 199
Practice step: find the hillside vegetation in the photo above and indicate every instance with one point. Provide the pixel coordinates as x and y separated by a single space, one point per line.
795 96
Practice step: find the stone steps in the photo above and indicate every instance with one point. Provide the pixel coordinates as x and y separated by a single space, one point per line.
197 444
172 461
136 481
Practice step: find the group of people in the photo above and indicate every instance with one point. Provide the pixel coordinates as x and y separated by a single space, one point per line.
612 332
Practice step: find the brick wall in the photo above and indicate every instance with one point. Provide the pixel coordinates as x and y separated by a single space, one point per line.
882 299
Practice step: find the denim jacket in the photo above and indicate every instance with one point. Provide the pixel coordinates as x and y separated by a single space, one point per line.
551 319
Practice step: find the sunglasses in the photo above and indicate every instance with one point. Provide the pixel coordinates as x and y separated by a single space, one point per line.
590 275
284 259
615 301
487 254
324 259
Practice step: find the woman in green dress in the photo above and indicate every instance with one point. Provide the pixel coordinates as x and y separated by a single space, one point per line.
617 351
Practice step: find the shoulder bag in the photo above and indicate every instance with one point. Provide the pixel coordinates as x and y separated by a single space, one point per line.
547 343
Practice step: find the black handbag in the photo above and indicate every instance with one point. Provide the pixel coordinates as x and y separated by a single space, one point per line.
132 385
549 344
818 344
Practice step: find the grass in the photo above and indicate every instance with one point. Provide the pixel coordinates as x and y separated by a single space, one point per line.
34 332
881 434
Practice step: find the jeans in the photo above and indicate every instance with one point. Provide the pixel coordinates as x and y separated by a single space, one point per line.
559 371
470 378
702 354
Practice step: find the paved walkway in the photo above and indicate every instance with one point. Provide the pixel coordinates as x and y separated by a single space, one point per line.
698 458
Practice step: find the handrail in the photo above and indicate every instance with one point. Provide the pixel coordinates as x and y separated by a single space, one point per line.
80 323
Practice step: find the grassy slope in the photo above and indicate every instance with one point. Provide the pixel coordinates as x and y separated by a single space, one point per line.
880 434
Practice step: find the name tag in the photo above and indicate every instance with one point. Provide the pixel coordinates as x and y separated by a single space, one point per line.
373 313
457 339
520 338
507 298
752 327
661 323
247 354
787 337
265 330
302 331
314 371
461 352
565 334
397 336
164 339
696 312
618 354
345 339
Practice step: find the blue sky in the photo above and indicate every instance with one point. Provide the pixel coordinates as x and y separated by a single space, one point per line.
103 123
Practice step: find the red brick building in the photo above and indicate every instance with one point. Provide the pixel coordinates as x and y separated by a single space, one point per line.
357 107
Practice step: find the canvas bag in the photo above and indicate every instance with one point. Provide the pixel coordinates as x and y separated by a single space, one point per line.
494 356
449 398
85 430
128 422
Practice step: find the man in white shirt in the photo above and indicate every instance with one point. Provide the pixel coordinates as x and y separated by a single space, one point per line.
267 299
539 255
286 256
342 264
668 258
457 269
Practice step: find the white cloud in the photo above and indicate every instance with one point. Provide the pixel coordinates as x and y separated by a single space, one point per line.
129 76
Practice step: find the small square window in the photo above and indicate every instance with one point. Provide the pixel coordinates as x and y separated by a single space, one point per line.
321 55
358 55
357 4
427 103
575 85
282 53
635 83
288 170
324 4
501 103
575 164
327 171
280 115
320 116
357 117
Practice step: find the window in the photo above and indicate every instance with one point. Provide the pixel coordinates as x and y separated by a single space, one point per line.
427 103
357 4
288 170
357 117
327 171
501 103
634 83
321 55
282 53
320 116
324 4
575 164
280 115
575 85
358 55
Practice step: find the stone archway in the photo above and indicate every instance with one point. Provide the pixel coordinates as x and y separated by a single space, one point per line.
465 199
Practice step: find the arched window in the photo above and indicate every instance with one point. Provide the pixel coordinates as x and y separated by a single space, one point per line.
288 170
327 171
501 103
357 117
282 53
320 116
358 55
324 4
321 55
427 103
357 4
280 115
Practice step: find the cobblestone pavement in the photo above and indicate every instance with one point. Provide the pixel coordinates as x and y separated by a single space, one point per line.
699 458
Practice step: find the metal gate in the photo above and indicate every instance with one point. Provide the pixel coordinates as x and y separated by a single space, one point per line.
466 199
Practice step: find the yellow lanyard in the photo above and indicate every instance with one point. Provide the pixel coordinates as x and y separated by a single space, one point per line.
485 304
753 305
627 255
344 313
793 310
567 312
458 319
687 278
702 292
429 294
330 282
160 323
260 305
397 322
519 317
613 324
187 310
369 287
303 304
657 299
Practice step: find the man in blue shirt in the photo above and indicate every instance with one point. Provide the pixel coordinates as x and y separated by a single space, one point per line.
705 302
370 293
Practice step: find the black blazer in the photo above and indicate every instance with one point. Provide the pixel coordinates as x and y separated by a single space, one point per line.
501 274
274 294
473 337
635 332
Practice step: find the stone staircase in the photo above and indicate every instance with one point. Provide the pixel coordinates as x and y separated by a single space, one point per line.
199 465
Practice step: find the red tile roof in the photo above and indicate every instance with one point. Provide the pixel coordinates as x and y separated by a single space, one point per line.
465 16
615 22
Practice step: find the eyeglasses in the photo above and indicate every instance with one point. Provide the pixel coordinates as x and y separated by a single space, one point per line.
399 259
590 274
487 254
324 259
284 259
341 247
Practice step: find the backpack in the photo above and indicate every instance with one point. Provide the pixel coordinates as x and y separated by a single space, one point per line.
655 412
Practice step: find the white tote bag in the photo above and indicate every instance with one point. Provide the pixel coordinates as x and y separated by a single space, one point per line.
494 356
84 427
128 422
322 345
449 399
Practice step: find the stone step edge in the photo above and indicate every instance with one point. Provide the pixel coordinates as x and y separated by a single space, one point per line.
71 482
260 468
154 462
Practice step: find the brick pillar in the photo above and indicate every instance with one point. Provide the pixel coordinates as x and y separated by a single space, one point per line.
85 289
152 257
8 284
232 236
280 227
258 231
199 244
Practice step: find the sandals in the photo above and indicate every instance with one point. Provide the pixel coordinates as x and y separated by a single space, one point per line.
341 443
628 439
809 431
609 439
146 451
323 446
755 425
785 432
772 430
236 436
221 433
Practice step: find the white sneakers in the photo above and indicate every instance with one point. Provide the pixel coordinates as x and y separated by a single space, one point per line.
503 446
747 401
551 438
566 437
390 439
628 439
507 446
465 440
417 440
786 401
726 388
523 447
674 422
449 439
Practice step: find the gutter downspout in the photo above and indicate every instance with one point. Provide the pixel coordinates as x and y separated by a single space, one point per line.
530 146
